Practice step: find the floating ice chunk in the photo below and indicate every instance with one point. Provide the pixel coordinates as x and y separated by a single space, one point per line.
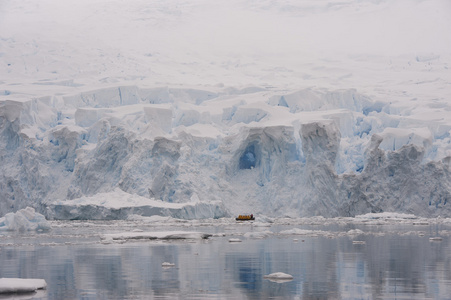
19 285
257 235
151 219
305 232
261 224
235 240
279 277
24 220
421 223
436 239
219 234
167 265
355 232
358 242
164 235
106 240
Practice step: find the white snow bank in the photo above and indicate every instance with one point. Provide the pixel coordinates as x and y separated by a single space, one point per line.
24 220
120 205
19 285
162 235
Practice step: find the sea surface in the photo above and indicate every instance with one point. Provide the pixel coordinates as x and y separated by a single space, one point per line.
328 260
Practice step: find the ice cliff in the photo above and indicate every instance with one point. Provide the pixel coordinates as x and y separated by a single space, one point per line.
221 152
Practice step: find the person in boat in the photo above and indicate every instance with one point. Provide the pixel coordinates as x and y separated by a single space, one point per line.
245 217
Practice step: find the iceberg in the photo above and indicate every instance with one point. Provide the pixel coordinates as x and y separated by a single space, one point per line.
26 219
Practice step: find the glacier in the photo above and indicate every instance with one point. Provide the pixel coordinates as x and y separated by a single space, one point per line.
305 153
202 110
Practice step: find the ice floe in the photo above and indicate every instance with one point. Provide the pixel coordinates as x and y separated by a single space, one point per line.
257 234
306 232
162 235
353 232
358 242
20 285
279 277
235 240
167 265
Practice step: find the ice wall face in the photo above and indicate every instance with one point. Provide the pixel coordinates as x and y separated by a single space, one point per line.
304 153
320 143
399 180
22 159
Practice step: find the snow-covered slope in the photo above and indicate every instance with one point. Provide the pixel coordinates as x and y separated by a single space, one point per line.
275 108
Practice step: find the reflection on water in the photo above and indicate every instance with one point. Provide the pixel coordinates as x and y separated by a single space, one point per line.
394 266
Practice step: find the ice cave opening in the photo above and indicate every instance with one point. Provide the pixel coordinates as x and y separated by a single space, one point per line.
248 159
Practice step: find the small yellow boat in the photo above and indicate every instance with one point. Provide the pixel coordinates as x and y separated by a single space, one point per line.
245 217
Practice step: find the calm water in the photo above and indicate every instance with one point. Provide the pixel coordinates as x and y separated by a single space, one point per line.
393 263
